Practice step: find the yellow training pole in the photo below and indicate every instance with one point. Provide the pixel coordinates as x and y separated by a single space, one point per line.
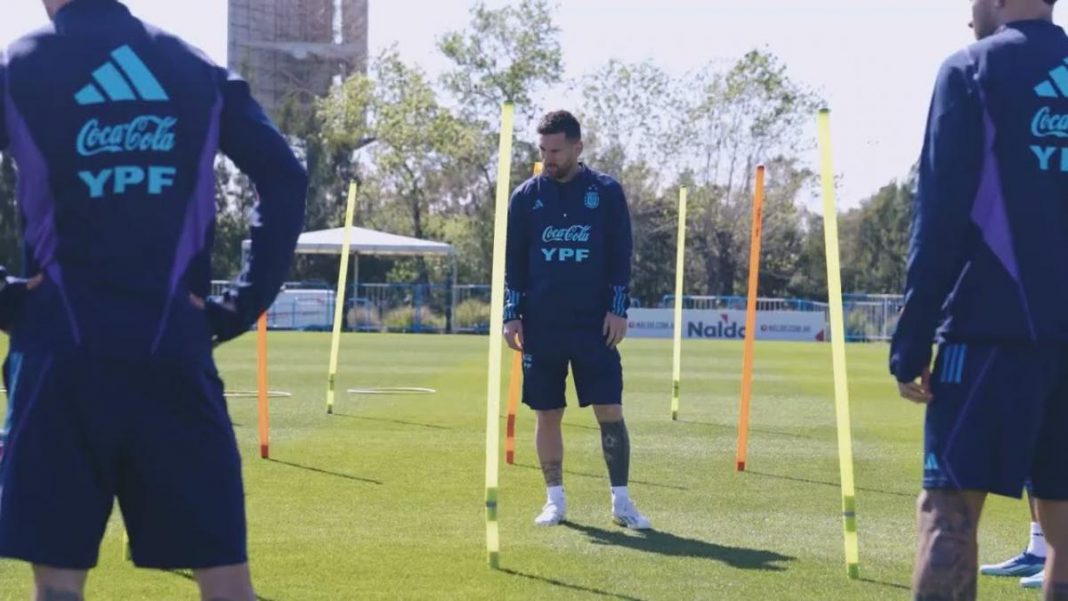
680 268
837 325
496 338
750 320
264 408
339 306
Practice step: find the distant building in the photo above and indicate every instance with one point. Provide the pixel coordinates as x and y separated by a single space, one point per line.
291 50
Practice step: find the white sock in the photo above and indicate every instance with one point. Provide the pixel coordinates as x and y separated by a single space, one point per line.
1037 546
556 495
620 495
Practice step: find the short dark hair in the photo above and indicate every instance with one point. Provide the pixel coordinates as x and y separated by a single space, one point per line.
560 122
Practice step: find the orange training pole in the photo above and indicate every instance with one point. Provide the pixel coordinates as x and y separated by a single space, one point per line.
513 407
750 320
514 388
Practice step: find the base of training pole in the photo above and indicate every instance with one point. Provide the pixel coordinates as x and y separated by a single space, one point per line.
740 466
265 453
494 561
509 458
674 416
329 410
854 571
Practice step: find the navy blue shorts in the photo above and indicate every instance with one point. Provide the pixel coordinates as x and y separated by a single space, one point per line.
82 431
597 369
999 418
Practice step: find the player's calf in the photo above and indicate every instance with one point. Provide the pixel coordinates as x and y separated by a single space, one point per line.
55 584
550 446
1054 518
228 583
947 558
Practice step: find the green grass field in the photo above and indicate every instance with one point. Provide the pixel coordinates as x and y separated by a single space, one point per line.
384 499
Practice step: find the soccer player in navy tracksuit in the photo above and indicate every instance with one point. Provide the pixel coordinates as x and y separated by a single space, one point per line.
114 126
567 294
988 274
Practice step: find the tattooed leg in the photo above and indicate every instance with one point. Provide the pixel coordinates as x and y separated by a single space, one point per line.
615 442
54 584
1053 516
227 583
549 441
947 558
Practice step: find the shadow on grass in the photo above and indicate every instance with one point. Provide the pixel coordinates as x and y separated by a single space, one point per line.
188 575
605 477
392 421
326 472
833 484
670 545
581 426
886 584
572 587
734 428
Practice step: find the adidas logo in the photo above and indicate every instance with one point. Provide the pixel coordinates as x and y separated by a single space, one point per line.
538 205
115 82
1058 87
930 464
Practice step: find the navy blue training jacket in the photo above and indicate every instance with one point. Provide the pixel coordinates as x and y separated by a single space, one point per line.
569 252
988 261
114 126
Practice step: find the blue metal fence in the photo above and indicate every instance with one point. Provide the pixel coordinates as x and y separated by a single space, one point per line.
435 309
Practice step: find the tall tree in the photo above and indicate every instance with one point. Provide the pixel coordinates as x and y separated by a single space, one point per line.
420 146
234 200
809 279
505 54
784 232
629 111
740 117
877 237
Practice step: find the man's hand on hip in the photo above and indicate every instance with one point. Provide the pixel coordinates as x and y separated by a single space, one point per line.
615 329
513 334
917 392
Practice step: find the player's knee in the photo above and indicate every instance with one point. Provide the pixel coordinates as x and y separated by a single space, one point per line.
608 413
551 418
949 515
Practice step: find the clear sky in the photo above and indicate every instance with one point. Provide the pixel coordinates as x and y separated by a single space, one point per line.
873 60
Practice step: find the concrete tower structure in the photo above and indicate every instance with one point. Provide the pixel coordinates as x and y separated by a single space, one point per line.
291 50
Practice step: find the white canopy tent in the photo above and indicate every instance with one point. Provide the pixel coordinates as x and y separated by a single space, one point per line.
363 241
367 242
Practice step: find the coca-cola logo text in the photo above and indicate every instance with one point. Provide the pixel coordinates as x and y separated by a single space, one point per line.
147 133
575 233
